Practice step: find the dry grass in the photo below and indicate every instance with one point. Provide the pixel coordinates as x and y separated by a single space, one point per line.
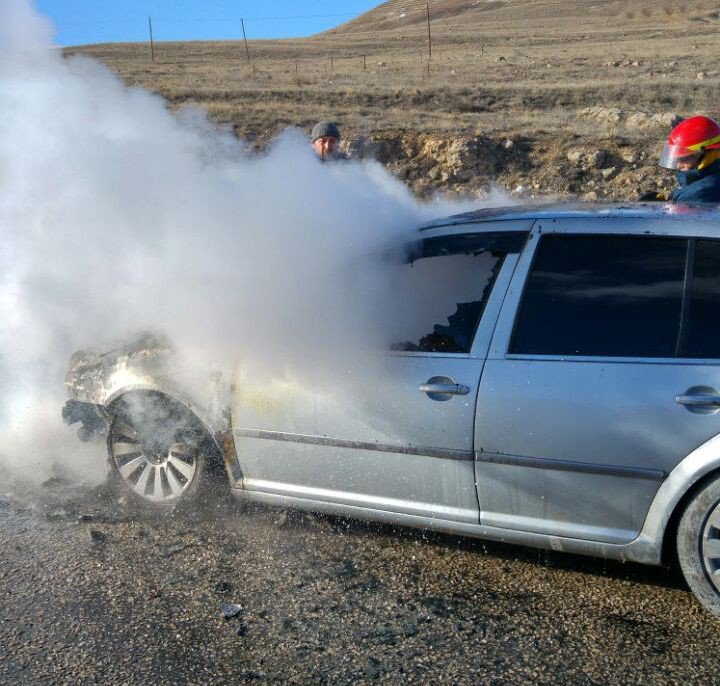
511 67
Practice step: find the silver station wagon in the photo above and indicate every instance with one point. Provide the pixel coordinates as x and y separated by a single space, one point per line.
562 392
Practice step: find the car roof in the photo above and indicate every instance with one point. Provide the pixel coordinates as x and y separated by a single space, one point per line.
538 211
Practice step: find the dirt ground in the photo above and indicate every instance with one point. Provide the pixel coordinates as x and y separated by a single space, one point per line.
502 71
92 593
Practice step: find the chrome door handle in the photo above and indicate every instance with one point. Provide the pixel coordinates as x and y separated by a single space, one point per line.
700 400
703 400
443 388
451 388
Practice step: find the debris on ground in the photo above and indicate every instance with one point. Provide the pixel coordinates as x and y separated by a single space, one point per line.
97 536
230 610
222 587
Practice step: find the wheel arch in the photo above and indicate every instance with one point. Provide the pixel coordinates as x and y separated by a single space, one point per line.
671 499
669 549
177 398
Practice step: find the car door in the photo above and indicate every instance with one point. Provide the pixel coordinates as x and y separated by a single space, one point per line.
397 436
597 380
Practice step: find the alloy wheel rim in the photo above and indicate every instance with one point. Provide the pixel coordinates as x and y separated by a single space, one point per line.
159 473
710 546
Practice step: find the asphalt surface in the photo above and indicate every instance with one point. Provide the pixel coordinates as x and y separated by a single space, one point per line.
93 593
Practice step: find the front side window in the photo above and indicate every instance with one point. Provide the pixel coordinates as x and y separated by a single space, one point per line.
439 301
607 296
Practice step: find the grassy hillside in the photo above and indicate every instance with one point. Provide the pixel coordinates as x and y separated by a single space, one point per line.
523 69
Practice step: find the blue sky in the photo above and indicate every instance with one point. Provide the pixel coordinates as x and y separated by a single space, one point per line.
79 22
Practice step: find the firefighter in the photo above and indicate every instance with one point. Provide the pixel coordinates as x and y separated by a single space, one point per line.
325 141
693 151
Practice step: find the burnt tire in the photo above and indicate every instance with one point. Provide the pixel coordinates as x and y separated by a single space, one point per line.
159 453
698 545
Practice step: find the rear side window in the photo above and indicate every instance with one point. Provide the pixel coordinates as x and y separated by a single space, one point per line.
608 296
702 339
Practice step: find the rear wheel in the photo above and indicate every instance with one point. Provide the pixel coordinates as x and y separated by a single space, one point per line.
698 545
158 450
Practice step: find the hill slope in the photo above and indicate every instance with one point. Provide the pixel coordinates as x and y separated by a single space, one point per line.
404 15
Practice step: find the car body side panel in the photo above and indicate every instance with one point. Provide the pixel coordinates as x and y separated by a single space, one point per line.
642 549
380 441
646 548
384 443
575 446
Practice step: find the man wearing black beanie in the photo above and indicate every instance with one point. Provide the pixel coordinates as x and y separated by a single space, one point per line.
325 141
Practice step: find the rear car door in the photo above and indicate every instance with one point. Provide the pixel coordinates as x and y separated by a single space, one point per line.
398 438
597 380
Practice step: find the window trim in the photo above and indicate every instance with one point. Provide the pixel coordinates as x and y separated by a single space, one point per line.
468 243
687 290
686 299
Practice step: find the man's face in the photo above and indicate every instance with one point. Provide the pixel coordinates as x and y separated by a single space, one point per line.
325 146
688 162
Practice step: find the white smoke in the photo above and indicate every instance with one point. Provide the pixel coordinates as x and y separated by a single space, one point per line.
118 216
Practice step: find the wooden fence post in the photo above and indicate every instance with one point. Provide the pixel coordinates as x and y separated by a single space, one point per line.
247 49
427 7
152 45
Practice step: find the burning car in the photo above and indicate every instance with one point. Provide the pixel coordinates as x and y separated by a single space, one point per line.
560 391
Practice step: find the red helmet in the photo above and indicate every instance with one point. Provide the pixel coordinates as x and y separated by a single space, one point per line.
688 142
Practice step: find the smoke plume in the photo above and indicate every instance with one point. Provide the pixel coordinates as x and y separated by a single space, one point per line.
119 216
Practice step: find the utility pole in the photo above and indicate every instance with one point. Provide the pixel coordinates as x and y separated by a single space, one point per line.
427 7
152 45
247 49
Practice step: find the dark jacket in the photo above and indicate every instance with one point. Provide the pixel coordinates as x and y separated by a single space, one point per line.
699 186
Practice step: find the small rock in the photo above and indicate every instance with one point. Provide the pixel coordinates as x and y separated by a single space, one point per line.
85 518
608 173
597 158
635 63
282 519
630 156
508 144
702 75
230 610
222 587
97 536
452 72
500 59
381 64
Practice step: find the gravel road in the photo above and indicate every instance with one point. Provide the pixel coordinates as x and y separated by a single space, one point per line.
92 594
